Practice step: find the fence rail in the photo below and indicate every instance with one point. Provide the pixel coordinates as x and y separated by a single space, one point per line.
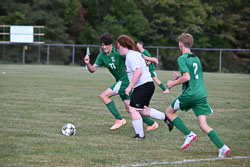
73 48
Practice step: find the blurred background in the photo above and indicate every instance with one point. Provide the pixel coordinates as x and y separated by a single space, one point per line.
220 30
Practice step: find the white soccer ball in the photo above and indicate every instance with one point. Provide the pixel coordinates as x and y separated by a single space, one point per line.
68 129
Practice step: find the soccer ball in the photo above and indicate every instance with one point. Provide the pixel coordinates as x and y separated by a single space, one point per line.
68 129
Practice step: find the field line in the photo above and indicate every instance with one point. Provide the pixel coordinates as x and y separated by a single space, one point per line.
185 161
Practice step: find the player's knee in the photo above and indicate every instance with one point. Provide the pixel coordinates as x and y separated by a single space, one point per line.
103 96
145 111
132 110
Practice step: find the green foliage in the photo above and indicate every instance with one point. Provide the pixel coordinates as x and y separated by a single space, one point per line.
215 24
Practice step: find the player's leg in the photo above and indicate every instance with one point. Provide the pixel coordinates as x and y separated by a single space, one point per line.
136 122
152 125
178 123
223 149
106 98
141 97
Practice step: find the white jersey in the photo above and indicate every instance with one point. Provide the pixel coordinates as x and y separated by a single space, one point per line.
133 61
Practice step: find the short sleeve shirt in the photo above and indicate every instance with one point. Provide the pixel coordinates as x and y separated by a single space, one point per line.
133 61
194 89
151 66
114 62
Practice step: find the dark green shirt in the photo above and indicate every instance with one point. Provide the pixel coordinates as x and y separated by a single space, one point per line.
114 62
194 89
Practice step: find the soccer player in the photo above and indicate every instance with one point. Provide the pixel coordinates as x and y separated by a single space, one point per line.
151 67
116 65
142 84
193 96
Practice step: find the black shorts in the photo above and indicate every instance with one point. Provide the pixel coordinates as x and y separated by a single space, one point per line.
142 95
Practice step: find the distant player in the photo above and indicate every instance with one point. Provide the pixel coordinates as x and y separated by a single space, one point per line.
116 65
194 96
151 67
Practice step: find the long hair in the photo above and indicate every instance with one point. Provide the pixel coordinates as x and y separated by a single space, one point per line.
127 42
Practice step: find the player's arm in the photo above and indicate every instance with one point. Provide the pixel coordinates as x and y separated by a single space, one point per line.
151 59
176 75
184 78
135 79
91 68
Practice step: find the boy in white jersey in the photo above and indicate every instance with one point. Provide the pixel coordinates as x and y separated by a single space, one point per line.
142 84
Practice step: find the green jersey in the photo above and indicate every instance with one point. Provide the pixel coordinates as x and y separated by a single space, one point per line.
193 90
151 66
114 62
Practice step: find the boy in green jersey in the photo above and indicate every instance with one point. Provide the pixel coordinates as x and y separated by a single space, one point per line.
116 65
194 96
145 52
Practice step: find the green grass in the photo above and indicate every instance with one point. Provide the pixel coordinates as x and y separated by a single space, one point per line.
36 100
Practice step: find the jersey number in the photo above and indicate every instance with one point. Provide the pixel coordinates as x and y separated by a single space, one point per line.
195 65
112 65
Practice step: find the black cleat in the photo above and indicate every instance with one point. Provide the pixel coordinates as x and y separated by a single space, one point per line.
137 136
169 123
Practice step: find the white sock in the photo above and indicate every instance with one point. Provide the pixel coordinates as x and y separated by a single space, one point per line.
138 127
157 114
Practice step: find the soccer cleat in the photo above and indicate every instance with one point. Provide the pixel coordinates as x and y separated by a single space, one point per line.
152 127
118 124
169 123
137 136
223 151
188 139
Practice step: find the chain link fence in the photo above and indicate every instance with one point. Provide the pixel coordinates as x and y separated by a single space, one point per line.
213 59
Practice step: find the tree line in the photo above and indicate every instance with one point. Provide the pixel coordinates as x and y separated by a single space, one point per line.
214 24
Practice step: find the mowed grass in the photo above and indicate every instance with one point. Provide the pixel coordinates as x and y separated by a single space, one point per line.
36 100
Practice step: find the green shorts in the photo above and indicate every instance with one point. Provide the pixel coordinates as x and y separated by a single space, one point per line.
199 107
119 88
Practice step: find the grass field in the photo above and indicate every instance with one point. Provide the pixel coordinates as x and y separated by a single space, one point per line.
36 100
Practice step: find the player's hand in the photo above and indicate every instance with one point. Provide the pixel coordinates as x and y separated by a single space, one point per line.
86 59
155 60
170 84
176 75
127 90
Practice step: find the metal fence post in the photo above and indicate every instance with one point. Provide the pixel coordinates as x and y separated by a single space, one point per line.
220 61
23 54
73 55
48 54
157 56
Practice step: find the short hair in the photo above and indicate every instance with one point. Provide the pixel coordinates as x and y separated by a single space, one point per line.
186 39
140 42
126 41
106 39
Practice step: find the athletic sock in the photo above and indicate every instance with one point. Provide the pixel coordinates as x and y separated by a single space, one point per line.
137 124
147 120
157 114
181 126
215 139
112 108
162 86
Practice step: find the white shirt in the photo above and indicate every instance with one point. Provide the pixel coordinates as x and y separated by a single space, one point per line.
133 61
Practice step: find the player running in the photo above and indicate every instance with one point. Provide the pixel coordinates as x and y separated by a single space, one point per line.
116 65
194 96
151 67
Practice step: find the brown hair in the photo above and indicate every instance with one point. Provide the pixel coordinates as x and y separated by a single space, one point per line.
186 39
127 42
